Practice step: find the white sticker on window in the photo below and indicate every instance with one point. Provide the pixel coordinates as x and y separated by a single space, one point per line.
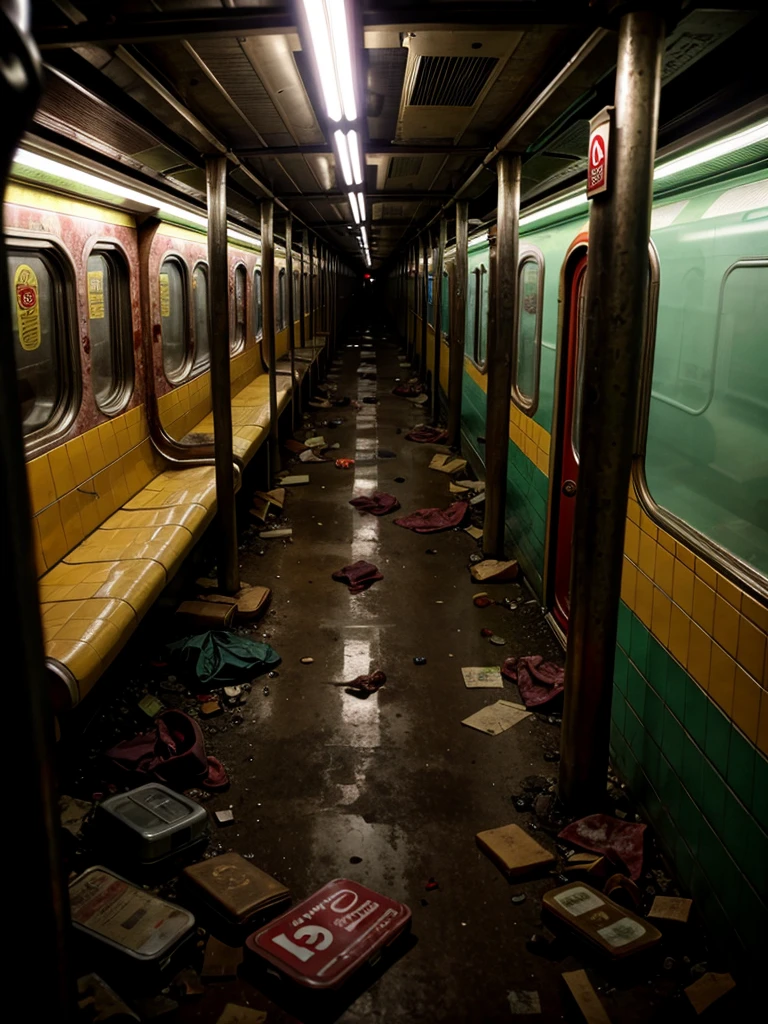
622 932
578 901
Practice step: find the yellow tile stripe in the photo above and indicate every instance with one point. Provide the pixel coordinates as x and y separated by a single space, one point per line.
710 626
40 199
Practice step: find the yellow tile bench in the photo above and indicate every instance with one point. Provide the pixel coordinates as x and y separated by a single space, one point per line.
112 524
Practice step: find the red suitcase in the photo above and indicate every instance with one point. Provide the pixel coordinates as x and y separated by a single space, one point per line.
320 942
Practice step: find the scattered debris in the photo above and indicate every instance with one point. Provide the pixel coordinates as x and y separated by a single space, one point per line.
377 504
622 890
151 706
236 889
233 691
708 989
276 534
399 479
202 614
482 600
307 661
455 489
486 633
148 823
315 442
98 1003
447 464
499 641
483 678
497 718
586 998
524 1003
235 1014
225 817
518 897
513 851
344 463
217 657
385 453
474 532
295 446
539 681
478 499
671 908
221 960
420 660
616 930
358 576
432 520
493 571
431 885
427 435
364 686
310 455
620 841
294 481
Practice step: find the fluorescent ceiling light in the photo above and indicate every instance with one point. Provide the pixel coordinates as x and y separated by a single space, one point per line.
341 147
361 204
730 144
364 236
329 33
353 203
354 156
548 211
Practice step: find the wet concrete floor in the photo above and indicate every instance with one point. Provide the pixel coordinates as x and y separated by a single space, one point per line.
391 791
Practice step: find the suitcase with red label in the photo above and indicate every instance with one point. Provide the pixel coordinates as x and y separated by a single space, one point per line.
322 941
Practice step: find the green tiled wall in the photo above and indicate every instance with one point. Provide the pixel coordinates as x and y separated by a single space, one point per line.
703 785
473 417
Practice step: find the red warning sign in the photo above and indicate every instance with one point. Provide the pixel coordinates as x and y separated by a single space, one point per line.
598 165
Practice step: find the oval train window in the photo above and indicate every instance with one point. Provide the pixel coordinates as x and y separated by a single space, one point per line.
173 318
109 329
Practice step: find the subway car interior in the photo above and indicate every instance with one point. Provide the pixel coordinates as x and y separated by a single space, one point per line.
470 296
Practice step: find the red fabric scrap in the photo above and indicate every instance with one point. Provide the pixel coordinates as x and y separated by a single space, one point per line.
378 504
427 435
619 841
432 520
364 686
538 681
173 752
408 390
358 576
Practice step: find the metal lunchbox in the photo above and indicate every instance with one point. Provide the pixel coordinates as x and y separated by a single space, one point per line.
324 940
150 823
116 915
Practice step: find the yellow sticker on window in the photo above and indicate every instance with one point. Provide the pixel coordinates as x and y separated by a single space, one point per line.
165 295
27 307
96 294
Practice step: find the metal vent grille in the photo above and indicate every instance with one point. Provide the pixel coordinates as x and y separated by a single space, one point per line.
404 166
574 141
450 81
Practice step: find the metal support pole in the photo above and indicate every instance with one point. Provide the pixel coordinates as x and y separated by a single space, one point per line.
311 290
268 311
616 299
221 396
291 311
500 340
424 310
437 300
458 318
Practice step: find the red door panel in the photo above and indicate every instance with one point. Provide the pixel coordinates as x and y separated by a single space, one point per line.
569 444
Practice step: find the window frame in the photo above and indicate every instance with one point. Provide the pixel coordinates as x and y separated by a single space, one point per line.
184 371
445 327
200 366
120 266
258 305
480 272
528 406
237 343
64 278
280 304
296 295
745 576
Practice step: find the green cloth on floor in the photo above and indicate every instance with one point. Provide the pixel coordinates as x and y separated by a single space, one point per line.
218 658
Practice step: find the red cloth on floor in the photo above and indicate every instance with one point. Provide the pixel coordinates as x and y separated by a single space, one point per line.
427 435
431 520
537 680
408 390
378 504
620 841
173 752
358 576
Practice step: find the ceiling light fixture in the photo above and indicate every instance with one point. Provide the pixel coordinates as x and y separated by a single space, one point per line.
341 148
361 204
353 203
730 144
354 156
329 33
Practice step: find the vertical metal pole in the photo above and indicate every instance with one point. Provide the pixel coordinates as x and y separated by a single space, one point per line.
437 299
616 297
268 308
45 924
311 290
291 311
504 284
416 299
302 292
458 324
424 311
221 397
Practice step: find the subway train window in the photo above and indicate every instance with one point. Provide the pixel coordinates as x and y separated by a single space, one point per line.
40 343
109 329
430 302
296 294
258 316
241 285
525 369
705 452
477 311
173 317
445 305
202 327
280 312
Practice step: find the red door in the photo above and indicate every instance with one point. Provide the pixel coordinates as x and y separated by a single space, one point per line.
569 443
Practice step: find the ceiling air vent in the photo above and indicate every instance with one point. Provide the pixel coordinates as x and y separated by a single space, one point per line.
450 81
404 166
